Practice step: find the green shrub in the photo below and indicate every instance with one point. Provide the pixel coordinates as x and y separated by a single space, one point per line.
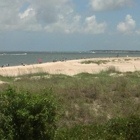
27 116
114 129
126 128
80 132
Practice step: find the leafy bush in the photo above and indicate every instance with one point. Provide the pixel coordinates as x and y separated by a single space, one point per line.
80 132
26 116
127 128
115 129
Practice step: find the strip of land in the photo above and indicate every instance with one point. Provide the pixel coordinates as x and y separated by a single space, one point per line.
72 67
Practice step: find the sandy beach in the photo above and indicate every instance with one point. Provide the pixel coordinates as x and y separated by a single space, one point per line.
72 67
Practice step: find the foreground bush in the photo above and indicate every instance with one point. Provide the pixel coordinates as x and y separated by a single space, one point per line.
27 116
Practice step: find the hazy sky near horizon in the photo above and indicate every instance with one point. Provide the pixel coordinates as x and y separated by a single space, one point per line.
69 25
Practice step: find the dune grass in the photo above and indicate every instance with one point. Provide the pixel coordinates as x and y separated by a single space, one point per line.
85 98
95 61
88 97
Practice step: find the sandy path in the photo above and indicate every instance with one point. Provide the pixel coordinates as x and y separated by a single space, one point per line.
72 67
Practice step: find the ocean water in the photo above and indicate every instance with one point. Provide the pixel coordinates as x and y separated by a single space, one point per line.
16 58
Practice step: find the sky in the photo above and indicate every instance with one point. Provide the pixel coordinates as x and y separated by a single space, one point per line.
69 25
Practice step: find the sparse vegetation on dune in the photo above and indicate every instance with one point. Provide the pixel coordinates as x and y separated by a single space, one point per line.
104 61
90 106
95 61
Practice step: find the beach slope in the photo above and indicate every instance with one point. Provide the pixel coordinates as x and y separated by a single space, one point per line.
72 67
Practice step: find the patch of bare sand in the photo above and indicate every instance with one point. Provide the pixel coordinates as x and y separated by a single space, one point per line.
2 82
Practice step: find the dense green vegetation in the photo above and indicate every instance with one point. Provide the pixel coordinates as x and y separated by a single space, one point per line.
115 129
25 115
85 106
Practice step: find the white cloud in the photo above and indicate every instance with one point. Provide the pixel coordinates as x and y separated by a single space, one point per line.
65 25
9 17
37 14
8 12
26 13
105 5
28 21
48 15
128 26
47 10
90 26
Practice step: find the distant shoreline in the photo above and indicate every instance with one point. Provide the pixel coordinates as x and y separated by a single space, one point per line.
72 67
16 58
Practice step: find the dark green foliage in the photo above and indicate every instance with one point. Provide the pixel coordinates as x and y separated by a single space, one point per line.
115 129
26 116
79 132
127 128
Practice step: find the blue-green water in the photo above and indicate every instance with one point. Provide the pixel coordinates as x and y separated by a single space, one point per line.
16 58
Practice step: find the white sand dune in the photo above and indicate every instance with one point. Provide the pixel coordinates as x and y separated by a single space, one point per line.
72 67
